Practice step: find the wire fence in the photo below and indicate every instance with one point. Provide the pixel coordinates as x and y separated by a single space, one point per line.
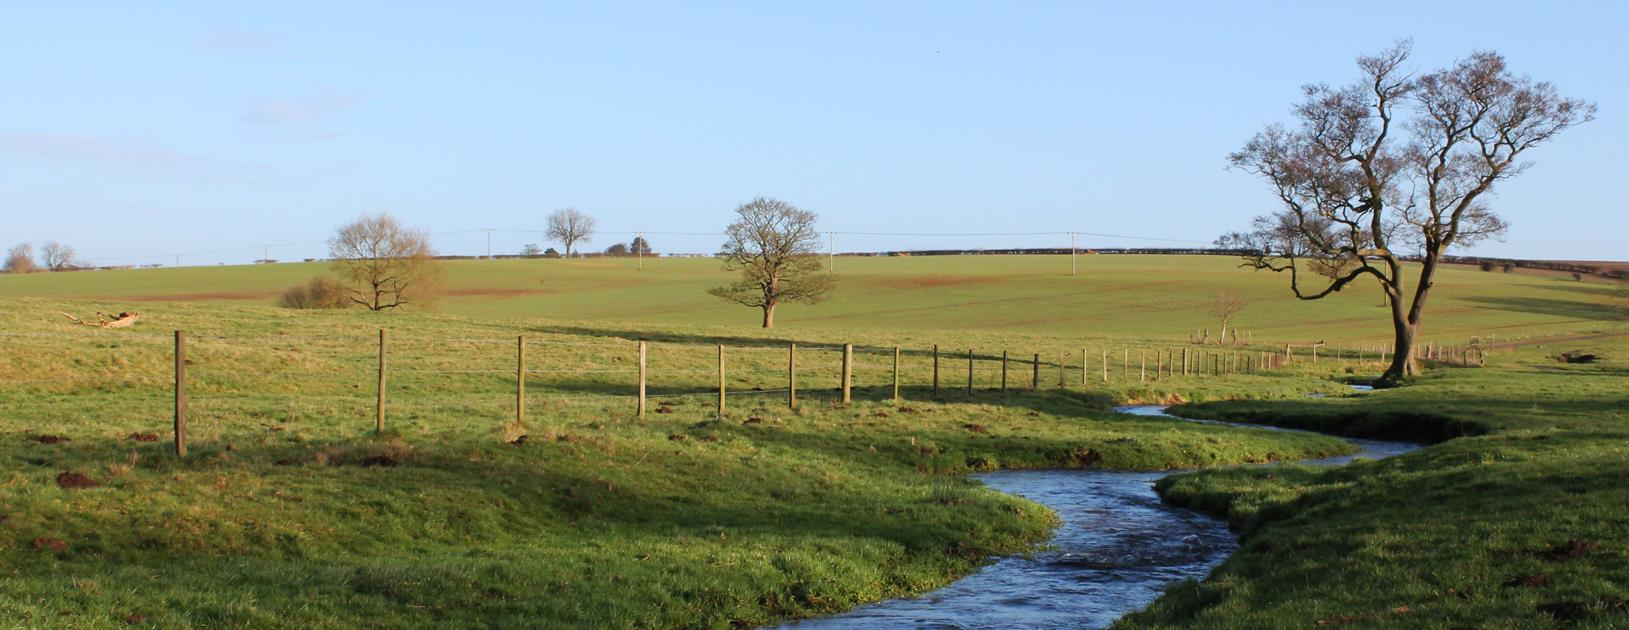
270 375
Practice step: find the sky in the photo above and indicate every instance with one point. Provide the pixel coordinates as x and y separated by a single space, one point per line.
136 131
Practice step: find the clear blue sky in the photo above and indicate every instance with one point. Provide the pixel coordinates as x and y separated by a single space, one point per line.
134 129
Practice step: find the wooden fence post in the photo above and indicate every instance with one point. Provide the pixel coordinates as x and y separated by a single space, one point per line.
1125 364
180 394
1142 369
1314 354
1085 368
640 407
896 374
520 379
1184 361
1062 359
1035 371
969 371
1105 366
935 370
379 405
721 380
792 376
848 370
1159 365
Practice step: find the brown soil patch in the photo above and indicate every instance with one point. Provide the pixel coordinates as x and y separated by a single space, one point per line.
976 428
754 420
43 543
906 410
134 618
74 481
142 437
382 460
676 437
494 292
1570 550
49 439
929 282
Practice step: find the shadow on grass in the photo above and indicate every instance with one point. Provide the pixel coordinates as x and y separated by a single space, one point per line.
1573 309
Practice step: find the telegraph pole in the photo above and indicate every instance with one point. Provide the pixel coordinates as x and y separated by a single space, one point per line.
489 243
639 249
831 252
1071 253
265 253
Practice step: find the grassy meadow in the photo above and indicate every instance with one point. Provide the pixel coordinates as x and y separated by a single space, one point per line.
290 510
1129 296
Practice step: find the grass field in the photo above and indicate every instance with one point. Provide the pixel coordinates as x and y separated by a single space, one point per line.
291 511
1522 524
1115 295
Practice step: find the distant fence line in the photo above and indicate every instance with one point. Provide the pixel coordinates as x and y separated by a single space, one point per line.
1101 364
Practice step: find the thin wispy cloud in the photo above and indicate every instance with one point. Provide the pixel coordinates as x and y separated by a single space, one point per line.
297 112
116 155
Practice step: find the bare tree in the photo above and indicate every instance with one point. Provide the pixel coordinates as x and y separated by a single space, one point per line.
383 264
57 256
775 247
570 226
1359 187
1226 305
20 259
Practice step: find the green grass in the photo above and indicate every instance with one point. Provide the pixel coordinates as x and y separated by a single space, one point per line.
1522 523
1133 296
289 511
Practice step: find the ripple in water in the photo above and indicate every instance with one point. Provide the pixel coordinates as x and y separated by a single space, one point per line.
1118 548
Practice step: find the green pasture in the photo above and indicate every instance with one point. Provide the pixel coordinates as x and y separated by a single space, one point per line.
1129 296
291 511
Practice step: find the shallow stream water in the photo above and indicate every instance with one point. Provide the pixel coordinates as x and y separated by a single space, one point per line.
1118 548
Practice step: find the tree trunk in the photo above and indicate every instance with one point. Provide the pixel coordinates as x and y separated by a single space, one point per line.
1406 325
769 315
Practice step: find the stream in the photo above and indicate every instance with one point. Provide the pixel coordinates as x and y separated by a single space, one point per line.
1117 549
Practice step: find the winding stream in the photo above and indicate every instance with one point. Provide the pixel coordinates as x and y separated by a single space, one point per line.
1118 548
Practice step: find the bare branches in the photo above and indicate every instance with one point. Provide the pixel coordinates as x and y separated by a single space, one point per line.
384 264
57 256
570 226
773 244
1351 191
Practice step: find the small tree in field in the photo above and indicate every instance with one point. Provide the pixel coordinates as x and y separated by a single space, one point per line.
1226 305
639 245
618 249
774 245
569 227
531 250
384 265
57 256
20 259
1390 165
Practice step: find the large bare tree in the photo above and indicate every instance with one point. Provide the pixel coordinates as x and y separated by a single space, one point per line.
383 264
775 247
57 256
20 259
570 226
1390 168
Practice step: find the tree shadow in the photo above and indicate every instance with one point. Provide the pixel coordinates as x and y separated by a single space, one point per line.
1572 309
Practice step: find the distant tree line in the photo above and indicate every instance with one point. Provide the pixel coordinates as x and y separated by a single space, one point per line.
53 256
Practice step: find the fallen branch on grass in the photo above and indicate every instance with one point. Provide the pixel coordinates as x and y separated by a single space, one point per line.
122 320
